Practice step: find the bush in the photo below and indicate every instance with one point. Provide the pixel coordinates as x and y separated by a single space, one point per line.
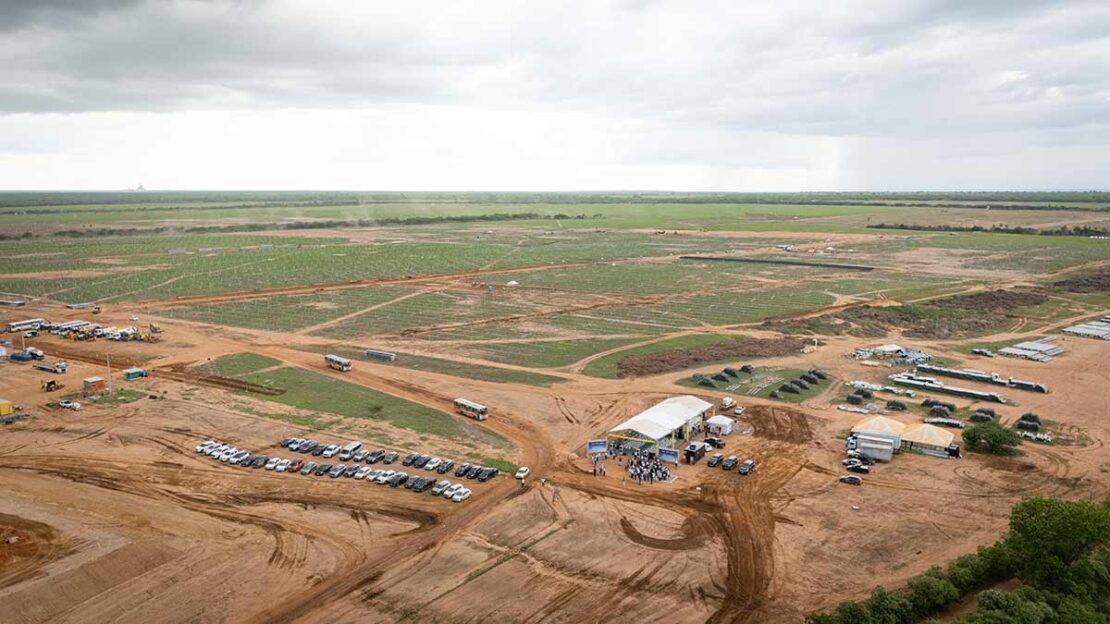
991 437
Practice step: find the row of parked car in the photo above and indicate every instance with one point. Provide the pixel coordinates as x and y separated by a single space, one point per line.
354 453
730 462
234 456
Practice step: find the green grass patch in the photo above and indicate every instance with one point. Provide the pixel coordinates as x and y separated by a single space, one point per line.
503 465
118 397
545 354
313 391
450 367
237 365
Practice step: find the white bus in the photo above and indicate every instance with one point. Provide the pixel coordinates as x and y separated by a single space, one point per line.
474 410
338 363
16 326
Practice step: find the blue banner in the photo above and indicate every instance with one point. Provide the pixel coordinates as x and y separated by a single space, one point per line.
596 446
668 455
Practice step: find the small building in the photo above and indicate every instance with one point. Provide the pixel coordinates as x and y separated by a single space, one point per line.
721 425
131 374
5 407
92 385
928 439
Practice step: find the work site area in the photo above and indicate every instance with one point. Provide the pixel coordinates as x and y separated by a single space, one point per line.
296 408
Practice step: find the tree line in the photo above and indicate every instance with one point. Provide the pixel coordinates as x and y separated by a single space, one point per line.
1057 550
1063 230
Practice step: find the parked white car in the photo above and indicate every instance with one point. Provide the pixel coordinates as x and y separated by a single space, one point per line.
461 495
363 472
272 464
452 490
386 476
226 455
67 404
433 463
282 465
331 451
522 472
206 445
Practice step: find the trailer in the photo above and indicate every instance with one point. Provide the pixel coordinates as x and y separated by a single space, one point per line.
384 356
57 367
338 363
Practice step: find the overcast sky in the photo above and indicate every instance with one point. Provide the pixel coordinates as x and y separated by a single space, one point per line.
536 95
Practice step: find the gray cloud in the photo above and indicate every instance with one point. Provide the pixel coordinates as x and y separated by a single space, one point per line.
708 75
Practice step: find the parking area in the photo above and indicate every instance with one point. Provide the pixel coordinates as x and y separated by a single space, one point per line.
416 472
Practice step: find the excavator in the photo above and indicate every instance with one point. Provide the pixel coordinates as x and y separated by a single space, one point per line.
51 385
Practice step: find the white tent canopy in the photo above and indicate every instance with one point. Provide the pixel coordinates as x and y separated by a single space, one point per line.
661 419
879 424
925 434
723 424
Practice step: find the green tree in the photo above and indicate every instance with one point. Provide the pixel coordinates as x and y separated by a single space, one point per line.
930 592
889 608
853 613
990 437
1049 535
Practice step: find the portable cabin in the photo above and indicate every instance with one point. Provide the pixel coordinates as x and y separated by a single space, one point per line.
132 374
92 385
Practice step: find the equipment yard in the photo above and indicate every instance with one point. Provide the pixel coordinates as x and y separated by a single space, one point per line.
511 339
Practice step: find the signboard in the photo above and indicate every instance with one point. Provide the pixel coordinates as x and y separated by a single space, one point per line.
596 446
668 455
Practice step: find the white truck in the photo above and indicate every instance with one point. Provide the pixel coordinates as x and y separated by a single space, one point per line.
56 367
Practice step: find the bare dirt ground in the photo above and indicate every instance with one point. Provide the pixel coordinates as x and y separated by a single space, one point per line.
116 518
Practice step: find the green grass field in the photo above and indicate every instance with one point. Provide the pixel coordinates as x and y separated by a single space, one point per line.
314 391
466 370
608 366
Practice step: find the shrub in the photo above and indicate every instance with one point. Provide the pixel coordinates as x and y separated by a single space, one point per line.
991 437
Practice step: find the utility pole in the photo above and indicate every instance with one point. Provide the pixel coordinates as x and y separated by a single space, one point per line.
109 373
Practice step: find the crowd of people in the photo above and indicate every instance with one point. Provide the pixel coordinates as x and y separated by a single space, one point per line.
647 468
642 466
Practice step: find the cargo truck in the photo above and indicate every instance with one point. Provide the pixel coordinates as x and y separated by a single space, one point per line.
56 367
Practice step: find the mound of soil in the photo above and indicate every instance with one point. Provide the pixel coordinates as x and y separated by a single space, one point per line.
1093 283
681 359
779 423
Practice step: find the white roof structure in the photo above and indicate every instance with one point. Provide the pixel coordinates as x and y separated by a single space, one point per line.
659 420
879 424
888 348
928 435
721 420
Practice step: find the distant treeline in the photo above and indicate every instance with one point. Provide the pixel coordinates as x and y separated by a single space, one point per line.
1063 230
299 225
236 199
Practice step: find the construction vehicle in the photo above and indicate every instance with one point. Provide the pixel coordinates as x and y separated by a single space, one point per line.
51 385
96 309
56 367
155 329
